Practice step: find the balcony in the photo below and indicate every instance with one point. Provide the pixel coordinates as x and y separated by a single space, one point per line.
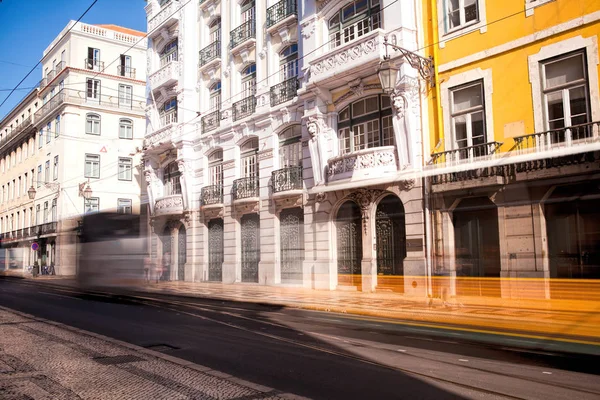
211 121
284 91
370 163
51 75
168 14
559 140
349 59
51 105
93 65
243 108
242 34
60 66
47 228
465 154
210 54
163 135
169 205
245 189
125 71
24 126
286 179
166 75
211 195
281 12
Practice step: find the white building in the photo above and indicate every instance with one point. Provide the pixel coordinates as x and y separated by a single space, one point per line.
80 127
299 170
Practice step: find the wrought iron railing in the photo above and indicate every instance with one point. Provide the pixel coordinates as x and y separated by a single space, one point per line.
280 11
60 66
51 75
54 102
49 227
211 121
211 195
210 52
563 137
284 91
288 178
123 70
93 64
243 108
245 31
26 123
466 153
245 188
43 83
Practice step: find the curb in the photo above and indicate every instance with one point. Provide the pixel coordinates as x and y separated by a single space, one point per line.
165 357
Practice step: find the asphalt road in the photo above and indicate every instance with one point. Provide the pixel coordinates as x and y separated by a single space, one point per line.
315 354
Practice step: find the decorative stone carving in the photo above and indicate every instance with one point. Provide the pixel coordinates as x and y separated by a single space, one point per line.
321 197
182 166
308 29
338 59
364 198
399 103
263 53
368 158
229 164
188 219
159 136
226 71
169 202
357 87
406 185
265 155
174 225
355 92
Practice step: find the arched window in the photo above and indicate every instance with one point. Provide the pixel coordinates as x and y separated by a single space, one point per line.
290 147
288 61
353 21
92 124
366 123
171 179
215 167
249 80
215 96
168 53
125 129
168 112
249 160
247 9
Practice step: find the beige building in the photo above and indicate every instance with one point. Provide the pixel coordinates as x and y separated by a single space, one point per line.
79 128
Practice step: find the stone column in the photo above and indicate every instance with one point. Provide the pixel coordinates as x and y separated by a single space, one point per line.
174 229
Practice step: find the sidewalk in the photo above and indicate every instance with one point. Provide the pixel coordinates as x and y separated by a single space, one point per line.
75 364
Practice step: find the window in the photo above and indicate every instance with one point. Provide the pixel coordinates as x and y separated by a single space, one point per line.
171 181
45 212
93 60
47 172
48 130
124 206
215 168
468 115
91 205
125 129
565 89
39 176
288 61
125 166
92 124
168 113
215 31
460 13
365 123
57 126
290 147
169 53
55 172
92 166
215 96
19 188
249 81
37 215
249 159
125 95
53 210
125 67
25 183
247 9
93 90
41 139
353 21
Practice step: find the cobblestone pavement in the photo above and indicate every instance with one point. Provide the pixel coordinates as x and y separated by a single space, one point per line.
41 359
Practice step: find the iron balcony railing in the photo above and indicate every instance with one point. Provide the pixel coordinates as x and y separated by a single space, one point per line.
54 102
245 188
244 107
26 123
211 121
563 137
51 75
60 66
210 52
245 31
466 153
123 70
93 64
211 195
280 11
49 227
43 83
284 91
288 178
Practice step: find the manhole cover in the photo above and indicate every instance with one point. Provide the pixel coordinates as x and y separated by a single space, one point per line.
117 359
161 347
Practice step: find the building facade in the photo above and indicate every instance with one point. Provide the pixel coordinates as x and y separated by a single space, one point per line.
274 156
81 127
516 148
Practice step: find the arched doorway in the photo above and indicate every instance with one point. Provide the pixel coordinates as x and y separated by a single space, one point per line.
349 244
291 244
250 247
166 252
181 253
215 250
390 235
477 247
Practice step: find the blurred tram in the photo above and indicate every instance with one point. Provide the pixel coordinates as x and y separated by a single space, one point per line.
111 251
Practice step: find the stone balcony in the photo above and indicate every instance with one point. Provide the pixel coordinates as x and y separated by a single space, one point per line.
165 16
369 163
167 75
169 205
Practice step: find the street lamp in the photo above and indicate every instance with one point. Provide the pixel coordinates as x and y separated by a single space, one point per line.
32 192
85 190
387 72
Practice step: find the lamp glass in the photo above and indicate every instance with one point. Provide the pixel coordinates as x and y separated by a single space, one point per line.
387 76
31 193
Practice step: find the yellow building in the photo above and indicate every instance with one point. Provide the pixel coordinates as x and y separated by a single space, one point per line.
514 175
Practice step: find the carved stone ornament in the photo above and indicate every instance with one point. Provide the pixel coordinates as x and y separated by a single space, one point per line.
316 126
226 71
182 167
265 155
308 29
321 197
169 202
363 160
400 104
407 184
364 198
148 176
174 225
357 87
263 53
354 92
188 219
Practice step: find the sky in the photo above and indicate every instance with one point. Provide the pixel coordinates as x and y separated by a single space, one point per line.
28 26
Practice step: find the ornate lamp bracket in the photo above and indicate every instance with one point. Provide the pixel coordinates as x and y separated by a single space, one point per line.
422 64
